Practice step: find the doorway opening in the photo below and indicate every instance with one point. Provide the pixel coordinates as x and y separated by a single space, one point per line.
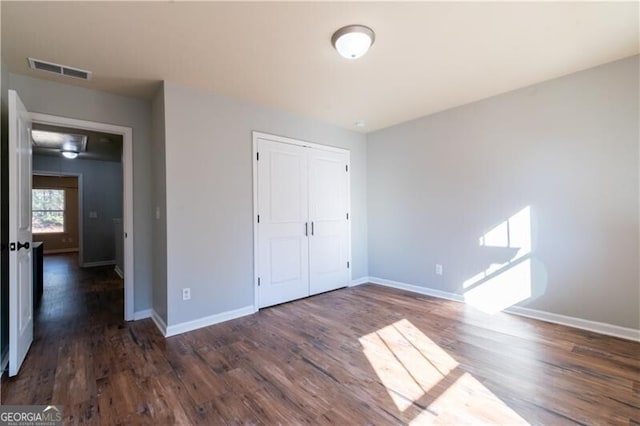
102 168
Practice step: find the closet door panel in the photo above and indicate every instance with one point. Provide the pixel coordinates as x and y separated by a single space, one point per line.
328 209
283 249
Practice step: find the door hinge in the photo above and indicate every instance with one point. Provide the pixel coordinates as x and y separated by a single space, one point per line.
258 281
257 156
346 168
348 265
258 218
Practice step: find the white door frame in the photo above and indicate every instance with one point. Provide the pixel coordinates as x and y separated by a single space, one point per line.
127 180
261 135
80 211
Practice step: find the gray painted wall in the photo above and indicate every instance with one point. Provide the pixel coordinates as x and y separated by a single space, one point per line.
80 103
209 196
568 148
423 192
101 193
159 201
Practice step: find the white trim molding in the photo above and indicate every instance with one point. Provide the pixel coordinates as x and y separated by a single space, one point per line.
140 315
583 324
159 322
127 193
121 275
417 289
360 281
99 263
5 361
184 327
291 141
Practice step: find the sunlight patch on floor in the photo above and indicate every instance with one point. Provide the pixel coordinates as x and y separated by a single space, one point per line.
466 402
408 362
417 372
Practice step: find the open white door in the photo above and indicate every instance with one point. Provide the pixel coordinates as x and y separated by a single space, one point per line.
20 259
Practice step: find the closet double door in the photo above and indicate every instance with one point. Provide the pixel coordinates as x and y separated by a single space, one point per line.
303 236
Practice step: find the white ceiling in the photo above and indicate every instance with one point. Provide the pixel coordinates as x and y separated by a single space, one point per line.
427 56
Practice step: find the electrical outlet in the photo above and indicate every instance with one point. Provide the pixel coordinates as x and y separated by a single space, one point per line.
439 270
186 294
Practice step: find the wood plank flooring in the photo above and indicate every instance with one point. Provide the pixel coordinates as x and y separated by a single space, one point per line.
363 355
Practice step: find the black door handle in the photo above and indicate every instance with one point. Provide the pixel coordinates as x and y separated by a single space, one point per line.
311 228
12 246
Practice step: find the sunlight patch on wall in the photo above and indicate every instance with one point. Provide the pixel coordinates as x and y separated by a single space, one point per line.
504 284
426 384
514 232
505 289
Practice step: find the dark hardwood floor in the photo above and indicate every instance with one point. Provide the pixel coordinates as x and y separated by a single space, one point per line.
363 355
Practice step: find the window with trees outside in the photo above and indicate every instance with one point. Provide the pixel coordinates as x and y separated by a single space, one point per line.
47 209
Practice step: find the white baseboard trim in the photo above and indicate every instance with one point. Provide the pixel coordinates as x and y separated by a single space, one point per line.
159 322
583 324
417 289
58 251
99 263
184 327
147 313
119 272
595 326
360 281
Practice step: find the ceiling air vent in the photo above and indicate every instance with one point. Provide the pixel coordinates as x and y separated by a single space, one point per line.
37 64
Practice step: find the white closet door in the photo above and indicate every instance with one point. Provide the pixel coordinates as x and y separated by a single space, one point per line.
328 209
283 246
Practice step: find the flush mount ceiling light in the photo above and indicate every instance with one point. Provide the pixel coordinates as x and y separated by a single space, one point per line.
353 41
70 154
